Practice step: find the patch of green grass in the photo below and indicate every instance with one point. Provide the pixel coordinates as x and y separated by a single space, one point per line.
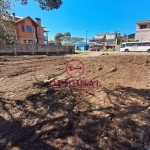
82 53
110 50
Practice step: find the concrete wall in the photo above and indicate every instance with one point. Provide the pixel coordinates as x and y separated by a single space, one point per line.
117 48
35 49
142 35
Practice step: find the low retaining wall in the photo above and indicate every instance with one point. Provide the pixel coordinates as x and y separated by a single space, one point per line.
22 49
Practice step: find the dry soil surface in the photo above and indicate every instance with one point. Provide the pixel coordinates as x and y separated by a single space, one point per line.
115 116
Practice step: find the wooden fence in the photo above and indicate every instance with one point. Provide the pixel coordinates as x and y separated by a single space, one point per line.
21 49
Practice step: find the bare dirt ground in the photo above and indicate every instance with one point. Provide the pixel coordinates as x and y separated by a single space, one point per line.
116 116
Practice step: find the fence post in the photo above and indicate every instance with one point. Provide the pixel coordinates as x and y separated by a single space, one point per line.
66 49
57 49
14 48
46 49
49 47
32 49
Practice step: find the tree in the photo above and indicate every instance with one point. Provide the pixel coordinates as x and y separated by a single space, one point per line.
6 21
46 4
125 36
131 40
57 37
67 34
121 38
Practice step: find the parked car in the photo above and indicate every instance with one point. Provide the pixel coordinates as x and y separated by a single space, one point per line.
94 49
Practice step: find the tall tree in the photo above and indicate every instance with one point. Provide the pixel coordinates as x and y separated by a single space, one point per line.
6 21
121 38
57 37
125 36
67 34
46 4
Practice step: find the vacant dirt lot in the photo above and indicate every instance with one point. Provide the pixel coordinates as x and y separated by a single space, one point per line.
116 116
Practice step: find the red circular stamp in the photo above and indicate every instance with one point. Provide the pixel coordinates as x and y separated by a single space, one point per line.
75 68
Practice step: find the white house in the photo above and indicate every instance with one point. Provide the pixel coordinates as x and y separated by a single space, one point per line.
142 30
69 41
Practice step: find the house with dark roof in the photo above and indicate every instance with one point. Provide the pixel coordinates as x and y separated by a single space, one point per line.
28 30
131 36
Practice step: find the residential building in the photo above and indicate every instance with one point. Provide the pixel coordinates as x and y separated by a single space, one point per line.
99 37
131 36
111 40
142 31
51 42
29 30
70 41
106 39
82 46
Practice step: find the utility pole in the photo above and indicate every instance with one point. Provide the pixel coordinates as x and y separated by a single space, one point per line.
86 38
15 52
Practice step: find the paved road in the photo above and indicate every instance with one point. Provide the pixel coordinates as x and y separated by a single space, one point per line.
119 53
108 53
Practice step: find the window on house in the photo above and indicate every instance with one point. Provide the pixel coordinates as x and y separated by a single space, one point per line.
143 26
29 29
22 28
